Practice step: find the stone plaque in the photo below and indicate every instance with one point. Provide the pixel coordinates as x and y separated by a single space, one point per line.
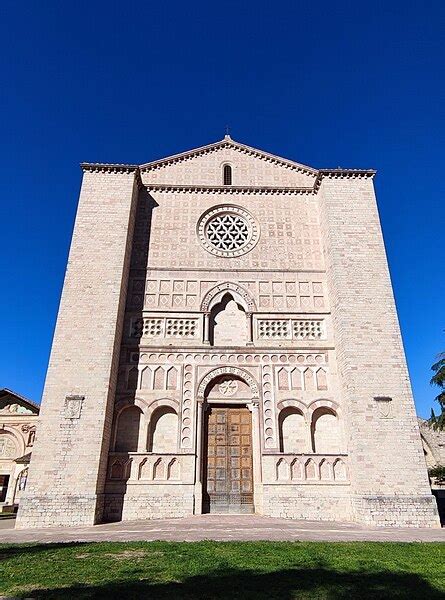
73 406
384 405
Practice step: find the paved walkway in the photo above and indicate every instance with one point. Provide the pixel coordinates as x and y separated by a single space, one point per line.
220 527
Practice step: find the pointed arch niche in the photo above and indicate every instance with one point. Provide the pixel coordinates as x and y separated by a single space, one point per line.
228 323
228 312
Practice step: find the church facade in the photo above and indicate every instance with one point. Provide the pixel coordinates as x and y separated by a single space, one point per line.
227 342
18 421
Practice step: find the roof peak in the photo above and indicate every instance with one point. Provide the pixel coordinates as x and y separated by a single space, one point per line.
228 140
7 392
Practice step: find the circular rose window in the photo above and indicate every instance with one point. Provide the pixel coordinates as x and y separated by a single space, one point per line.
228 231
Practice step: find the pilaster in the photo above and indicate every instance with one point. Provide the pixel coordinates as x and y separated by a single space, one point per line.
67 472
388 475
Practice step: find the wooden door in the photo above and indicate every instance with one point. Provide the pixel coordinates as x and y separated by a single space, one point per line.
228 469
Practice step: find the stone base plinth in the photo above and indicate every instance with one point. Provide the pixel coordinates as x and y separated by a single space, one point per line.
160 502
59 511
321 504
396 511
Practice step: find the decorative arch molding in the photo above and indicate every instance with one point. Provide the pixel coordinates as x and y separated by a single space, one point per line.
224 162
128 402
214 295
293 403
159 403
19 439
237 372
324 403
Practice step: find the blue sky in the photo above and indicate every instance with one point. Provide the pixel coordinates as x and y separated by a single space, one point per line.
348 84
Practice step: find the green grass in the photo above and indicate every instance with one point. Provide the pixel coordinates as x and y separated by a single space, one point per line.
209 570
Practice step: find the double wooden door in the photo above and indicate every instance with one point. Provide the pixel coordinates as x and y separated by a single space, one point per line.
228 468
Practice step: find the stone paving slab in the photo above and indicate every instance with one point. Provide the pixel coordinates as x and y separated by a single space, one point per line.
220 528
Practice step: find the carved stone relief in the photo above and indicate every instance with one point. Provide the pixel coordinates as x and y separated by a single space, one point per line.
265 296
73 406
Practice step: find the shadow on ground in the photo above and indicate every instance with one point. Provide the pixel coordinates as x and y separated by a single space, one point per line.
285 585
299 583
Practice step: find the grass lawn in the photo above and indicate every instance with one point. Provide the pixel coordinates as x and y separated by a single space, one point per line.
254 570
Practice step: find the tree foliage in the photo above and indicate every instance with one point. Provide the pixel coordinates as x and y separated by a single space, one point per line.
438 379
437 473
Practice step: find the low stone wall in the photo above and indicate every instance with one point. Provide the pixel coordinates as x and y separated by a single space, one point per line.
59 511
155 502
298 502
396 511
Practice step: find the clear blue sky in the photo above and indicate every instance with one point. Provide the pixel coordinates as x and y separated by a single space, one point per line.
349 84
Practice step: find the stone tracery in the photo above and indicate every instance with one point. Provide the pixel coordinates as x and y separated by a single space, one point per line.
227 232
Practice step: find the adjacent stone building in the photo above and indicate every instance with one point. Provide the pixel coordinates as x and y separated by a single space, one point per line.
18 420
433 442
227 341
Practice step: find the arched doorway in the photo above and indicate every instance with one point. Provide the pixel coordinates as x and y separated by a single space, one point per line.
230 421
228 460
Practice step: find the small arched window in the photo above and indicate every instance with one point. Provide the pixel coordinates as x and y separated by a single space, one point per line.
227 175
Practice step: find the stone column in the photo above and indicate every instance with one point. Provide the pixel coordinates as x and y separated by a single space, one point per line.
206 336
10 492
143 433
200 413
249 329
308 421
134 467
256 451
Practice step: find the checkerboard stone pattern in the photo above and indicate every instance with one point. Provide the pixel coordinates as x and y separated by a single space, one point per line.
272 293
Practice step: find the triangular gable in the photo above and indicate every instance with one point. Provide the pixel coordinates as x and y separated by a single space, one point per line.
12 404
250 167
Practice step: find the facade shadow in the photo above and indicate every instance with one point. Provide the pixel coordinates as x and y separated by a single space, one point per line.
135 294
299 583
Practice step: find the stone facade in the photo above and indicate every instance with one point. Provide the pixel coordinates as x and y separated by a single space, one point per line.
220 278
433 442
18 420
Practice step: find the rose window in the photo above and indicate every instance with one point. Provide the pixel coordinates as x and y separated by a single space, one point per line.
228 231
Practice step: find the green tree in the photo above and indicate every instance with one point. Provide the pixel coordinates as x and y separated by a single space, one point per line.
438 421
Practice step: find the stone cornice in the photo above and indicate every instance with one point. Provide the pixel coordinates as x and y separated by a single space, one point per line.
228 190
346 173
320 174
227 142
341 174
108 168
265 190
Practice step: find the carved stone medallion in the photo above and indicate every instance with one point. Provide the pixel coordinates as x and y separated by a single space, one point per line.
228 387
